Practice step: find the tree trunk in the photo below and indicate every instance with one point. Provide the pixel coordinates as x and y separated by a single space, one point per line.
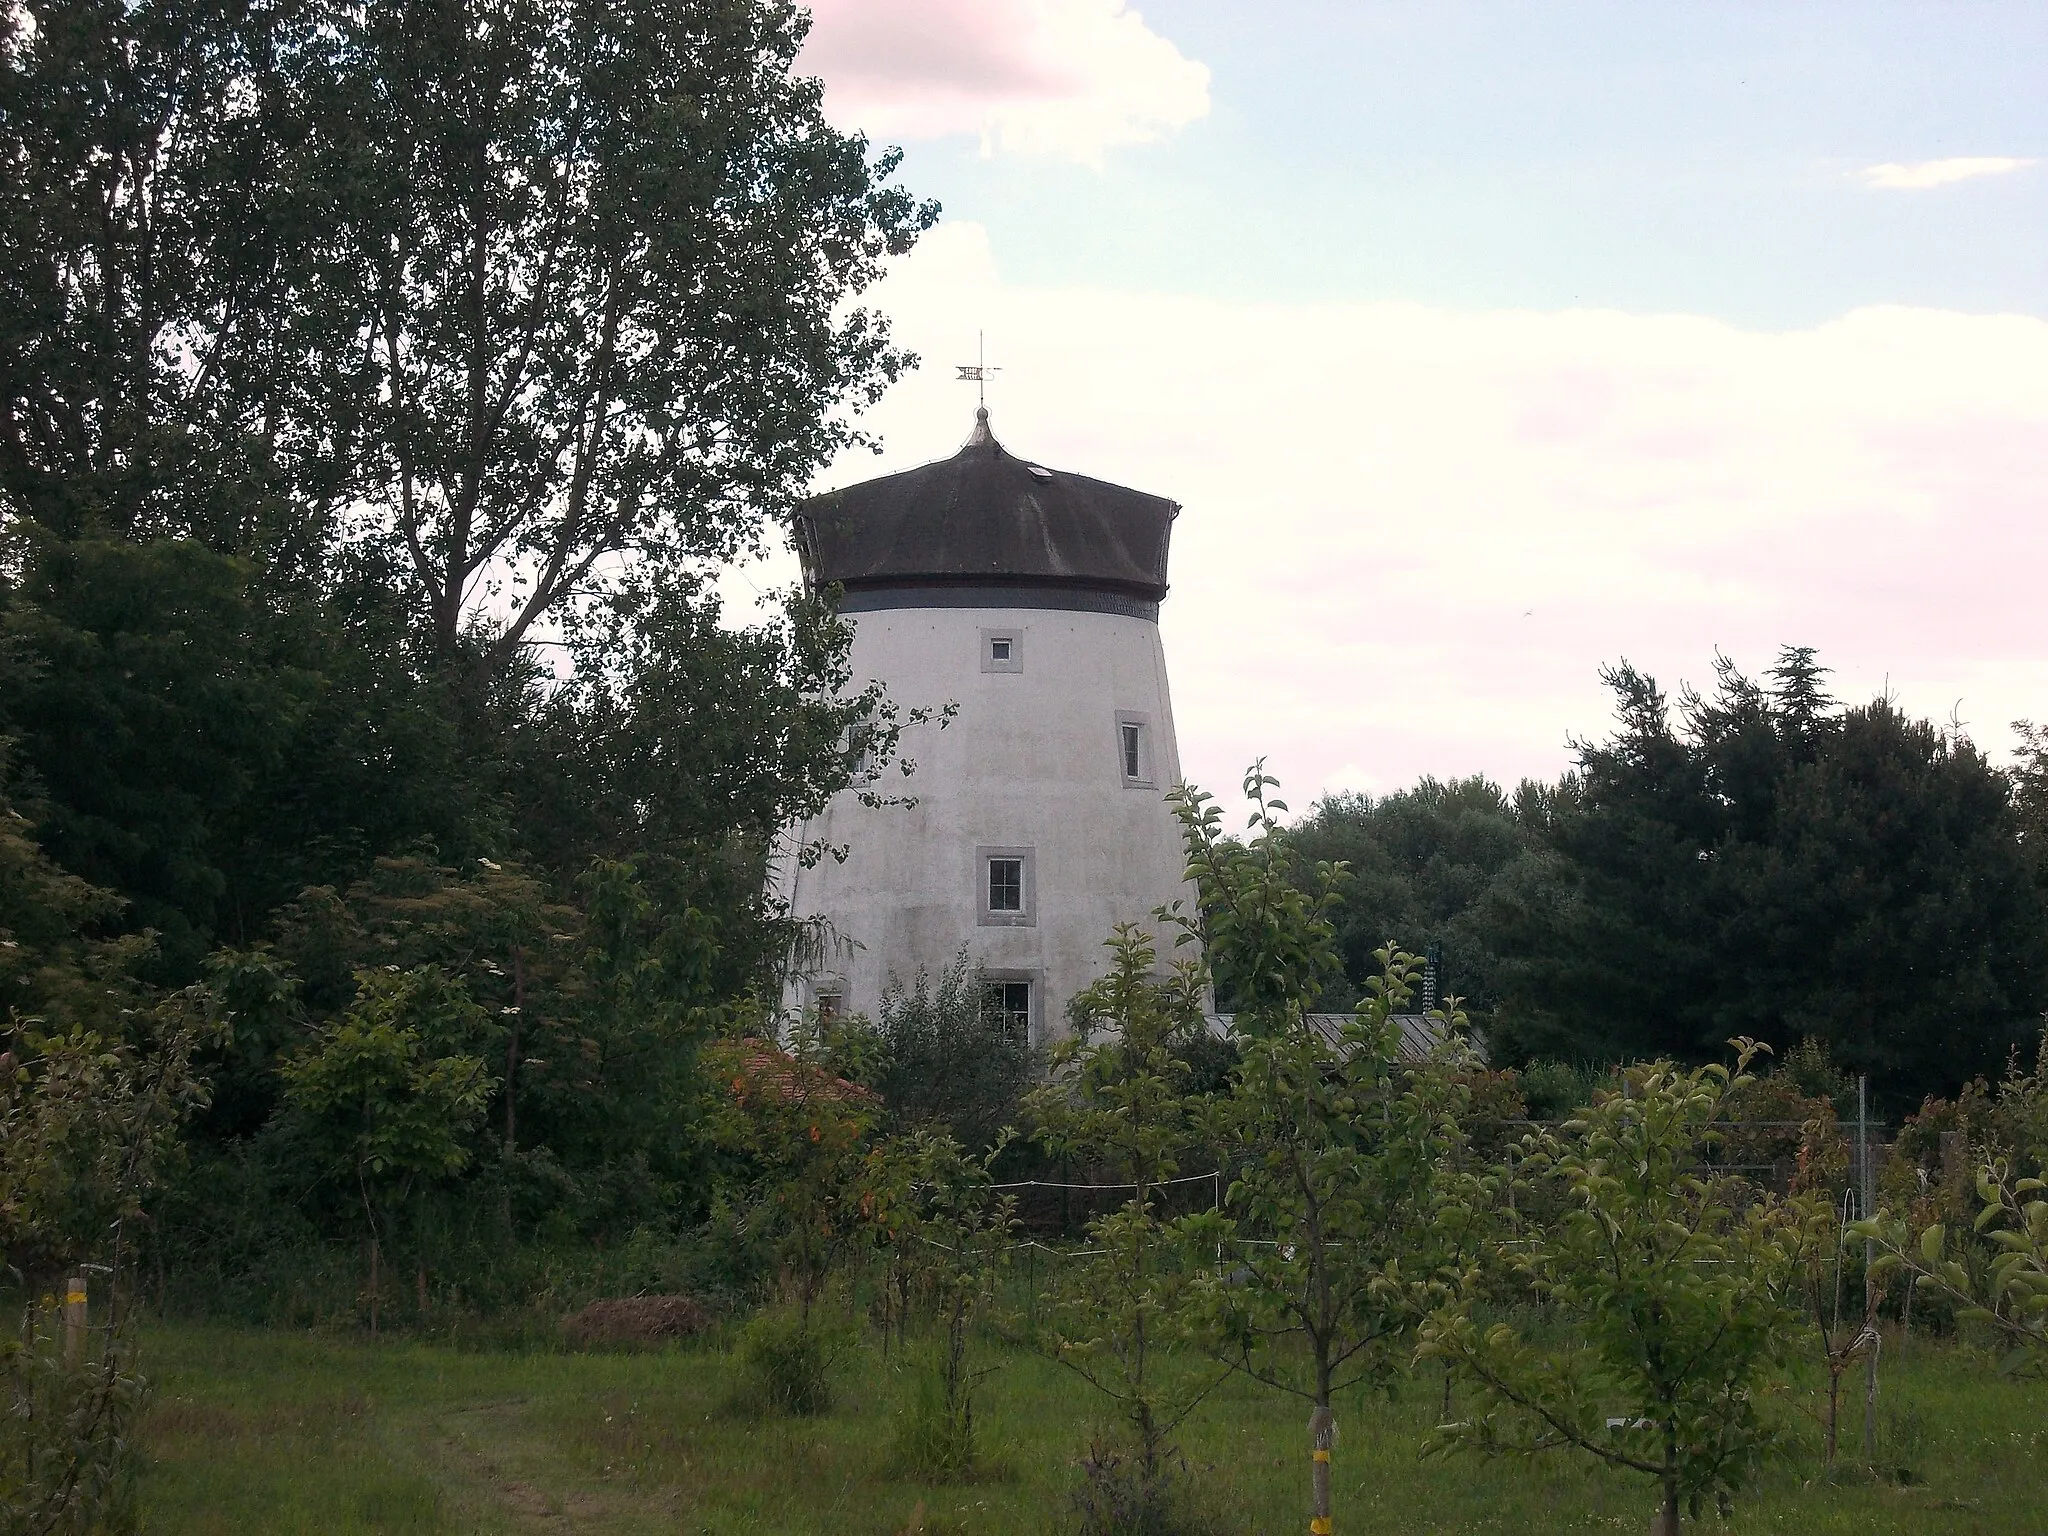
512 1049
1834 1410
1666 1521
1322 1429
375 1279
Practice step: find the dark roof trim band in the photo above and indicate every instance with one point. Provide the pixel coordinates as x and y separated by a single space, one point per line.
980 595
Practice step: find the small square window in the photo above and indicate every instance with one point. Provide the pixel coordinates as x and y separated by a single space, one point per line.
1006 885
1007 1005
830 1006
1002 650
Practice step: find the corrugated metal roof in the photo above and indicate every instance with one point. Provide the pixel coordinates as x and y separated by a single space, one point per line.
1420 1034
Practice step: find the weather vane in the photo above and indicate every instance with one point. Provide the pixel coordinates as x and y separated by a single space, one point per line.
978 371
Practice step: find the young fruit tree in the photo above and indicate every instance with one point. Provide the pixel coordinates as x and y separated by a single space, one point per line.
934 1205
2009 1293
1670 1294
1345 1205
796 1140
393 1092
1116 1102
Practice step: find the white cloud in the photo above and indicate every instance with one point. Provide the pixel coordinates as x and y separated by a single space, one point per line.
1070 78
1921 174
1411 536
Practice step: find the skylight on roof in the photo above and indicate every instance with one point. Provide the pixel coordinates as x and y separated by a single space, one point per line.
1039 471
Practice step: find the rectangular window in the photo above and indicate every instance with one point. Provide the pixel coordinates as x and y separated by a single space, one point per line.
1007 1005
1134 749
860 747
830 1006
999 650
1006 885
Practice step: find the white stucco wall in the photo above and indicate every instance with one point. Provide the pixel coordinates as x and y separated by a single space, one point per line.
1032 761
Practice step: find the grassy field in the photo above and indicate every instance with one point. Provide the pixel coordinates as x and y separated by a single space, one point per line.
276 1433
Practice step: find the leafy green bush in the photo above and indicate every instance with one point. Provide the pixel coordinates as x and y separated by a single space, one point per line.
1121 1494
1553 1089
950 1058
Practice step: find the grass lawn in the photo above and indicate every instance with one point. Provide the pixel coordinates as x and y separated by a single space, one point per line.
278 1433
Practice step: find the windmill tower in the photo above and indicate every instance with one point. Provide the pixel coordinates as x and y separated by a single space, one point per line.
1029 598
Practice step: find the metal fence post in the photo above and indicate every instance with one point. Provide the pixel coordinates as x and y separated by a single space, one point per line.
1869 1255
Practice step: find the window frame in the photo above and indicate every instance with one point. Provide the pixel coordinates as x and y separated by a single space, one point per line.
990 917
1014 662
860 748
1009 889
1029 981
1147 776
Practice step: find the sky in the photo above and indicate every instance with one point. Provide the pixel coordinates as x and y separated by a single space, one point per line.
1488 344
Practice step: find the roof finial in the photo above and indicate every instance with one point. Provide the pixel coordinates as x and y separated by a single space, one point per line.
977 373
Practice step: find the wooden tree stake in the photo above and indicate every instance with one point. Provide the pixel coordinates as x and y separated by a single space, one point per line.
74 1320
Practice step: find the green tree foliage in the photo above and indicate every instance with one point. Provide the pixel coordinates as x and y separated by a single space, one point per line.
795 1139
1429 867
96 1082
96 1065
360 473
541 286
1672 1293
2009 1294
1345 1206
1984 1252
2030 798
207 747
389 1093
144 382
1775 866
592 264
595 1008
298 384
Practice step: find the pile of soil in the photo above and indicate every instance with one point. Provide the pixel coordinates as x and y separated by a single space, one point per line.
634 1320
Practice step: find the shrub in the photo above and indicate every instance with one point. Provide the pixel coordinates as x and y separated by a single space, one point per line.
1553 1089
1673 1293
1123 1494
67 1461
949 1057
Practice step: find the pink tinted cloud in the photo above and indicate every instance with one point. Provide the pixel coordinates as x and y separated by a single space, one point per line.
1411 537
1064 77
937 51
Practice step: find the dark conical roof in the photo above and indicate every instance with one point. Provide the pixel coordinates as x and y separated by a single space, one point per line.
985 519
